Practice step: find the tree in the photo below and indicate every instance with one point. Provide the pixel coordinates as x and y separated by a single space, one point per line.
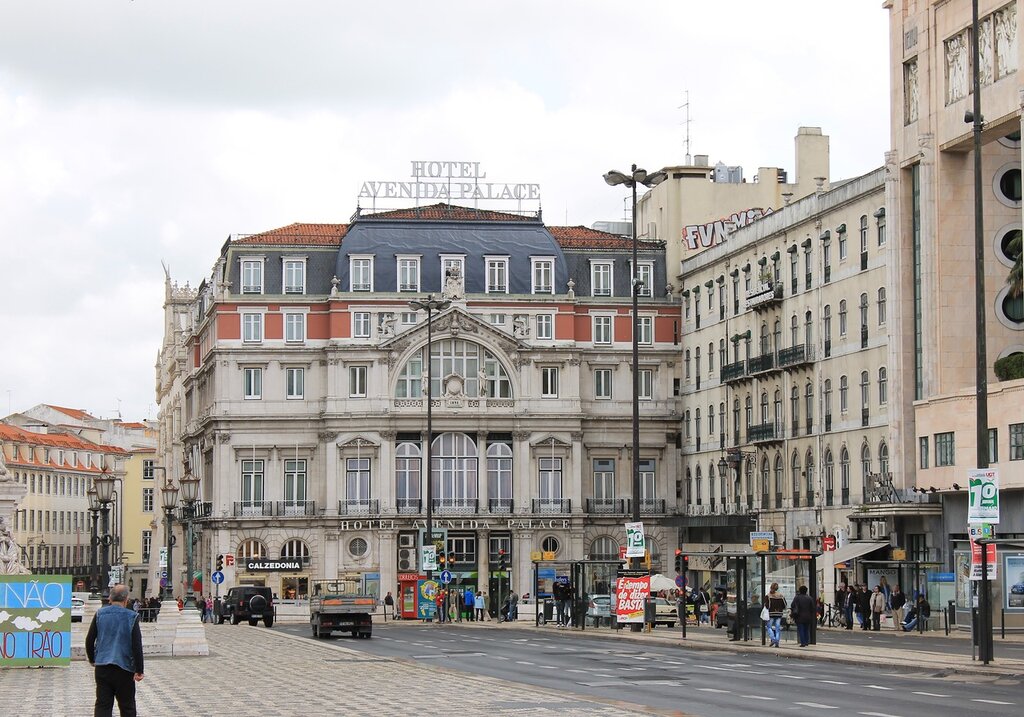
1015 278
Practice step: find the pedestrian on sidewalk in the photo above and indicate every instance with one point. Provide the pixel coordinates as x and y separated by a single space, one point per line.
877 604
114 647
898 600
439 602
513 606
802 612
479 604
920 611
460 605
389 606
863 607
849 605
776 604
470 601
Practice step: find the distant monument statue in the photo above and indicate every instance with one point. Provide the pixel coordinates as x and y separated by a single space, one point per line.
10 563
453 288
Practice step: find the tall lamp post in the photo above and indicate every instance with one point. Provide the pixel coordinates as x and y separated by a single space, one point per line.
94 541
169 499
104 484
430 305
189 496
615 178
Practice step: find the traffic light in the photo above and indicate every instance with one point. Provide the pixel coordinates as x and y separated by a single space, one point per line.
220 563
682 562
442 560
502 560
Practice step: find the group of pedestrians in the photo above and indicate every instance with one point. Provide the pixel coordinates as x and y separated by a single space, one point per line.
802 611
456 605
870 605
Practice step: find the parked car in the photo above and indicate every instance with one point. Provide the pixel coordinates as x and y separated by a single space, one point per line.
664 612
77 609
600 606
248 602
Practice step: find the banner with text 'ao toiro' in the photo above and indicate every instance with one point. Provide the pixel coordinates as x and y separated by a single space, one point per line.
35 620
630 593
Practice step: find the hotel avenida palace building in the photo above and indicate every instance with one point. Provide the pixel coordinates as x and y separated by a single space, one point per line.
293 379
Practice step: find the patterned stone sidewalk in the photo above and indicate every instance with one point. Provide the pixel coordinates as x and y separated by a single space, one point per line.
265 673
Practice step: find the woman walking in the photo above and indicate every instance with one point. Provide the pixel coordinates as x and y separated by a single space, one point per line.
776 604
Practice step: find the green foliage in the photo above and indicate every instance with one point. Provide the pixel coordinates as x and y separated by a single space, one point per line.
1010 367
1015 278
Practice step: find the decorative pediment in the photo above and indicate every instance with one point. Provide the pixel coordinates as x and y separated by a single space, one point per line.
358 442
455 323
550 441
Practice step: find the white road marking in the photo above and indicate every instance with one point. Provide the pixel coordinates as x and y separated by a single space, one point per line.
712 689
757 697
877 687
994 702
818 705
833 682
498 657
929 694
791 677
577 671
523 662
875 714
548 667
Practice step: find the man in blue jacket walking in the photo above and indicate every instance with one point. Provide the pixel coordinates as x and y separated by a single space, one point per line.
114 648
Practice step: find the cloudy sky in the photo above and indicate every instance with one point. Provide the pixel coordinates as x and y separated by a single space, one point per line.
135 132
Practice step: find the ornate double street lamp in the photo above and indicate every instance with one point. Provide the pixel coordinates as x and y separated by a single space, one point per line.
94 541
168 500
189 496
615 178
430 305
104 484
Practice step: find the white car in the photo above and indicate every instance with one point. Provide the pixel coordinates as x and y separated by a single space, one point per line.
77 609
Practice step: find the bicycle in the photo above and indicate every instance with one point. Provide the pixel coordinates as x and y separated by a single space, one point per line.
833 617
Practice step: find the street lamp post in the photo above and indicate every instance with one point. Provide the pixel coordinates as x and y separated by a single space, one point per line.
104 484
94 541
430 305
189 496
615 178
169 499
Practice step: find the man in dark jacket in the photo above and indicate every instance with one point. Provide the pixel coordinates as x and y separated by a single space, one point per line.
114 647
802 610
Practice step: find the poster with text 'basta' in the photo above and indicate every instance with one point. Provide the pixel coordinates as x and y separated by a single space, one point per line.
35 620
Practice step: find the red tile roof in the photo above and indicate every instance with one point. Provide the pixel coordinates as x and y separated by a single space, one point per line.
580 237
451 212
299 234
75 413
57 440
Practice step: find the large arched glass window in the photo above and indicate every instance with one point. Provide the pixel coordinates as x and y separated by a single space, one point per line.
481 374
295 549
604 548
499 477
251 548
407 477
454 471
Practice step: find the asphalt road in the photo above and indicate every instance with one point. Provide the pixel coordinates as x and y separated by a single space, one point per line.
671 678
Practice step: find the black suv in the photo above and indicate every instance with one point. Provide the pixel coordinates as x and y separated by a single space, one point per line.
250 603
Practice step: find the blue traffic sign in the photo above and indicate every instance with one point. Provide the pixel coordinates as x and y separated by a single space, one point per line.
446 576
163 573
680 581
217 577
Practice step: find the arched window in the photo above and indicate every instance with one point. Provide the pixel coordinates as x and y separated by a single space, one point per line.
764 338
883 386
604 548
865 469
844 394
883 459
764 407
765 481
750 483
696 422
696 362
778 335
736 420
827 323
794 469
723 359
842 317
295 549
711 357
809 329
251 548
829 478
499 477
750 412
865 384
794 331
780 479
711 485
408 464
481 373
794 410
700 487
844 474
686 424
686 363
809 405
826 398
863 312
689 487
454 471
778 411
711 420
864 234
881 306
809 476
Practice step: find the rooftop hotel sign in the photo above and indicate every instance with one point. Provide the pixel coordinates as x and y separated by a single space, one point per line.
445 180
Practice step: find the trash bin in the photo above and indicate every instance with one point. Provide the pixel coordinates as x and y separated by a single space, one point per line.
549 609
650 611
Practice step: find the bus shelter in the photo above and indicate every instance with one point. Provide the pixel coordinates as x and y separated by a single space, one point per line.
572 582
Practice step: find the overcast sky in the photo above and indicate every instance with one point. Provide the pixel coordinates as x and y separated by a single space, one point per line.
138 132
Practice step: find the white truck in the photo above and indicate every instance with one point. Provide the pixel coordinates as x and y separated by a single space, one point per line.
340 606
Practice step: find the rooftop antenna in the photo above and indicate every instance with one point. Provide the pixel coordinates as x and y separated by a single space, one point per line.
686 123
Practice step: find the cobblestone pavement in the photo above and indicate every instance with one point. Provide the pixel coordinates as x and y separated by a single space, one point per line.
264 673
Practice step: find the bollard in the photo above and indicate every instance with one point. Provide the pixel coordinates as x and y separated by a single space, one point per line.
1002 623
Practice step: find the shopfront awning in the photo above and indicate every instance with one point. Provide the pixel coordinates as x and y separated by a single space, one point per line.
828 560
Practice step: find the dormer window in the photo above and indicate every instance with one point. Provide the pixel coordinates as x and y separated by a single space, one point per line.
294 276
361 273
543 272
601 278
252 276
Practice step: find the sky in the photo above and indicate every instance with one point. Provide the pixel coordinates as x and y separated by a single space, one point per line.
141 132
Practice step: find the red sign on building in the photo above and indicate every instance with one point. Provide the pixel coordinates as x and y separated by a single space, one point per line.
828 542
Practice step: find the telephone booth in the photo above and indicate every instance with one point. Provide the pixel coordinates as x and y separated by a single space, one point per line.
407 595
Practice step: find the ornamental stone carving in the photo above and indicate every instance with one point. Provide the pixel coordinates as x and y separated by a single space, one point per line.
223 437
520 326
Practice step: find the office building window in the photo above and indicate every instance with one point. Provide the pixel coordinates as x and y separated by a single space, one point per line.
295 380
252 276
923 455
294 328
361 325
602 383
1017 441
361 273
497 275
945 449
252 328
253 383
408 274
549 382
545 327
601 278
147 500
645 332
646 384
645 275
294 276
543 271
357 381
602 329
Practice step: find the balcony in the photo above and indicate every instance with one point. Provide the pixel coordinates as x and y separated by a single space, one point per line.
358 506
764 296
734 371
500 505
551 506
650 506
409 506
253 508
765 433
602 506
765 363
796 356
455 506
289 508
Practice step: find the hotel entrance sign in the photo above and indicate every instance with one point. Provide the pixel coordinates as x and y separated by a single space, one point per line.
446 181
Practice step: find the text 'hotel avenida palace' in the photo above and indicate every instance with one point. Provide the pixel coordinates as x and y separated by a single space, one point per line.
293 381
